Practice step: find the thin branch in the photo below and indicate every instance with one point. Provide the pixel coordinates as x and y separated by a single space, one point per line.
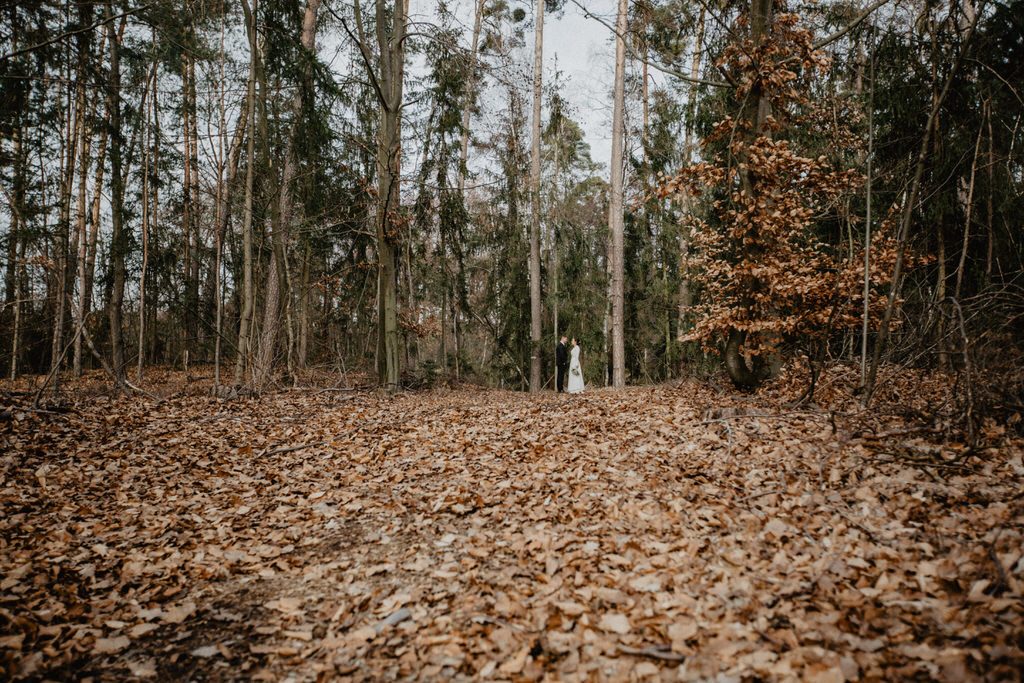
62 36
852 25
996 74
660 67
364 51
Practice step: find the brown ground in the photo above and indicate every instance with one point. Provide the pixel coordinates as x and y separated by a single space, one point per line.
669 532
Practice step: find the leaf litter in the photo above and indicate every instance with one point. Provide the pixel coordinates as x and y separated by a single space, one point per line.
665 533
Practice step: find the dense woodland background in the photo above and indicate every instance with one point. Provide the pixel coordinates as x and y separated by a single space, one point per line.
272 186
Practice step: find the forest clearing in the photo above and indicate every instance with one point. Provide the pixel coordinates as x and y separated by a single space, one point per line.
675 532
291 290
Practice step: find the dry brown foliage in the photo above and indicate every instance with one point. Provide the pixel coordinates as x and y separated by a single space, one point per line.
666 533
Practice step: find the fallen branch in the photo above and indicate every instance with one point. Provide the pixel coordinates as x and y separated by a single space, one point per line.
759 495
899 432
662 652
336 389
805 413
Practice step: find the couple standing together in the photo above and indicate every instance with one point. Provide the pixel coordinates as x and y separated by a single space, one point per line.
568 361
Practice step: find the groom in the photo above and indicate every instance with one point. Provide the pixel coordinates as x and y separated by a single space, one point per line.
561 362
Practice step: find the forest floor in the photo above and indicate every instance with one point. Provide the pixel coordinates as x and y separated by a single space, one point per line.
677 532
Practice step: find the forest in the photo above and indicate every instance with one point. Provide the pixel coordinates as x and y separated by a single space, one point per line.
273 187
283 282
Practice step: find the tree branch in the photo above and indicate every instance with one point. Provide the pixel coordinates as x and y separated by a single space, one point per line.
633 53
852 25
364 51
62 36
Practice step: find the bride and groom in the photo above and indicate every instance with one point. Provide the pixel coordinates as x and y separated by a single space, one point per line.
567 361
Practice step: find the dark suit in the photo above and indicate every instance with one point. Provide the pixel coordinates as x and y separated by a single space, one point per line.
562 365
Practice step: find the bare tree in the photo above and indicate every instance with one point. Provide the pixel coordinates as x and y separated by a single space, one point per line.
118 245
535 302
615 205
387 80
278 270
250 115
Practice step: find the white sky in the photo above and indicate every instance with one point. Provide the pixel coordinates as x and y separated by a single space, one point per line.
581 48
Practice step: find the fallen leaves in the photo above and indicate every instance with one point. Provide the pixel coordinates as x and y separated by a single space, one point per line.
620 535
106 646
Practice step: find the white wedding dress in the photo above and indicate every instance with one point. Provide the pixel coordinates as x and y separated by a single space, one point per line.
575 372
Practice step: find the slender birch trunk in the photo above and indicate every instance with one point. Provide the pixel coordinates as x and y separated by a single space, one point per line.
535 300
250 115
146 171
685 294
615 209
467 104
967 218
867 225
88 274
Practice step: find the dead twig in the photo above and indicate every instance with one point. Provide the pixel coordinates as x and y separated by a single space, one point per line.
805 413
662 652
337 389
759 495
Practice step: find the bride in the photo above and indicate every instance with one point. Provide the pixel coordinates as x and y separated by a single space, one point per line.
575 370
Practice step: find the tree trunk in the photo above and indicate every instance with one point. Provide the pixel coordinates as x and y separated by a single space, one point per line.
391 71
223 218
907 216
74 121
81 237
940 295
146 173
615 209
247 293
154 216
15 261
754 112
967 218
118 243
303 351
685 294
865 322
89 272
195 342
188 311
988 203
278 273
535 300
467 104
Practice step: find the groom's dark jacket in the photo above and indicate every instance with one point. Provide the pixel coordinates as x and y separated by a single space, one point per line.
561 355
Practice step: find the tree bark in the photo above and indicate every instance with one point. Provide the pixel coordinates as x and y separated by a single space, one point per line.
118 243
907 217
535 300
188 311
754 113
615 209
967 218
16 260
278 274
467 104
250 114
88 274
391 71
223 218
685 293
146 173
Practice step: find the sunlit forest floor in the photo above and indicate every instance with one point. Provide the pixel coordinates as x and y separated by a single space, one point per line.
675 532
